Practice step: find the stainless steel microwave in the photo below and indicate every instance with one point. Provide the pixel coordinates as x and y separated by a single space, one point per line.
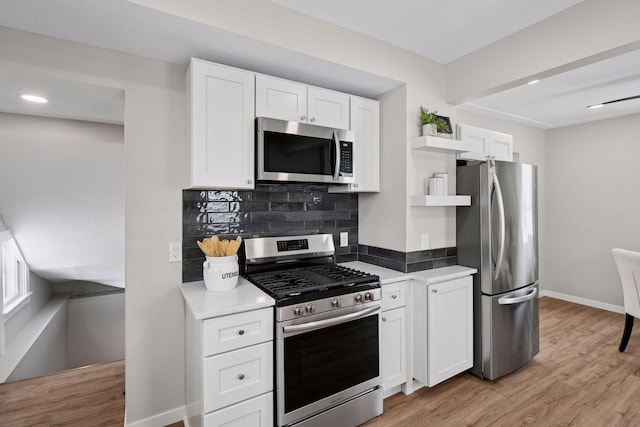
298 152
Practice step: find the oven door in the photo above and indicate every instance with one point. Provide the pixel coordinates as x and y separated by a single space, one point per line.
326 359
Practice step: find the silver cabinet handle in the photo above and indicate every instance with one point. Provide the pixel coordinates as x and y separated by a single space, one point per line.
312 119
384 319
355 185
434 291
241 332
241 377
303 118
394 296
249 181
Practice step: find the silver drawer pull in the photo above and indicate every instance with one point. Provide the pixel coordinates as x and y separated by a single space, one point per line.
394 296
241 377
384 319
434 291
241 332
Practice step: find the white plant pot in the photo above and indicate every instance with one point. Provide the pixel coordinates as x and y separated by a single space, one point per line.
430 129
220 273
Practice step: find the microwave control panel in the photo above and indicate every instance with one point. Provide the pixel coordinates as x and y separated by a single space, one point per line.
346 159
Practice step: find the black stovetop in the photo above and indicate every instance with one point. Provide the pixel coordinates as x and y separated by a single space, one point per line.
296 285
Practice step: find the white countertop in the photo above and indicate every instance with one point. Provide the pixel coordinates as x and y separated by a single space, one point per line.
246 297
429 277
204 304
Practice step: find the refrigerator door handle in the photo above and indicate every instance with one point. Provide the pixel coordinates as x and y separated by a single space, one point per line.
501 225
517 300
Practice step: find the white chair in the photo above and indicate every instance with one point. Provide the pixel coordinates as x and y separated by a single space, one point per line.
628 263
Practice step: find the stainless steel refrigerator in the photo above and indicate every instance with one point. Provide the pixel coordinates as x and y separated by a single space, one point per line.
498 235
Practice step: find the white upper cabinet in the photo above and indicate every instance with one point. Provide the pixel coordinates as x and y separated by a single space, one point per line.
485 144
221 123
293 101
281 99
365 122
328 108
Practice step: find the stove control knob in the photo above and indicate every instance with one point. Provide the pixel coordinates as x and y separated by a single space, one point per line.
368 296
358 298
297 311
310 309
335 303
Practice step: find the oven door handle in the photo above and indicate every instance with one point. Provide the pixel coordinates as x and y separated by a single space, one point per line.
305 327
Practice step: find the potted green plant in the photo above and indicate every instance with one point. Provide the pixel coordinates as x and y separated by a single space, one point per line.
432 123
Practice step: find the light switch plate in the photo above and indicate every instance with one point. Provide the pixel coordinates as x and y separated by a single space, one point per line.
344 239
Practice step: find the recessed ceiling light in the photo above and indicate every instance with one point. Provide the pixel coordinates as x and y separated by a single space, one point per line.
34 98
532 82
595 106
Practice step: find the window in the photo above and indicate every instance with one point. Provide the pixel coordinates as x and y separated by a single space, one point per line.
15 277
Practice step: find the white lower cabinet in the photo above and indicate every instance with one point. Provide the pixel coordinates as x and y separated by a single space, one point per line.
394 335
256 412
394 354
230 369
442 329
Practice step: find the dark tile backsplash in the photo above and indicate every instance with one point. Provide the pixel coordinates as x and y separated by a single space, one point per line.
269 210
407 262
288 210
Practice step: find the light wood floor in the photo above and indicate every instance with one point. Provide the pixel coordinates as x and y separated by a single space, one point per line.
90 396
578 379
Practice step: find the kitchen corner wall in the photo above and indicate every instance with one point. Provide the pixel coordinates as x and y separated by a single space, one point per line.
269 210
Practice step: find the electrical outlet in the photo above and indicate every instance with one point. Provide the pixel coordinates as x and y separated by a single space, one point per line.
175 252
344 239
424 241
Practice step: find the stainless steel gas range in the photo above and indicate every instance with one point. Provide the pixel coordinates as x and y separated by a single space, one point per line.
328 331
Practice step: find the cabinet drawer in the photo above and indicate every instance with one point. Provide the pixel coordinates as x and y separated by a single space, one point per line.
394 295
227 333
237 375
256 412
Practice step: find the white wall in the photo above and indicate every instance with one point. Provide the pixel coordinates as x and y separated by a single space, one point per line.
96 330
424 85
48 353
155 160
41 291
592 206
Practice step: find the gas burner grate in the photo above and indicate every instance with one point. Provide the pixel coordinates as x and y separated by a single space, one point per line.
309 280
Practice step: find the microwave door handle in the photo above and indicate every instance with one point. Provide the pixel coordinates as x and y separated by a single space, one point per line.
336 174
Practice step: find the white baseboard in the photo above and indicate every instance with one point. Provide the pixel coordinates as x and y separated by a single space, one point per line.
583 301
162 419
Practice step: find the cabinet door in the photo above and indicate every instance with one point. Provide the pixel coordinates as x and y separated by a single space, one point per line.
281 99
449 329
394 342
221 122
501 146
479 138
365 122
328 108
